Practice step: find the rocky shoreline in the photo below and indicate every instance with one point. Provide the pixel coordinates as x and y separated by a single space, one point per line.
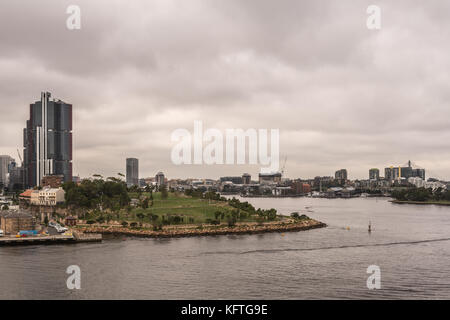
206 230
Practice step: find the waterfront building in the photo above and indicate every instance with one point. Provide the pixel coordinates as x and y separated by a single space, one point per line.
132 174
374 174
13 221
235 180
299 187
269 178
416 181
246 178
393 173
48 140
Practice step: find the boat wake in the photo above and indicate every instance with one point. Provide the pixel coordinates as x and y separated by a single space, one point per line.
331 247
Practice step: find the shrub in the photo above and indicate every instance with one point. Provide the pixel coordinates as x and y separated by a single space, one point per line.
295 215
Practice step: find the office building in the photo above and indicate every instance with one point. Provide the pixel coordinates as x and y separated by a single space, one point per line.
407 172
269 178
160 179
132 172
235 180
246 178
374 174
5 167
17 178
48 140
341 175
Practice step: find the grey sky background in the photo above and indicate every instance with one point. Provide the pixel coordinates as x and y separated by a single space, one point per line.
342 96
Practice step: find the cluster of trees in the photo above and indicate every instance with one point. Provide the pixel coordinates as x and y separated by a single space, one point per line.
230 217
270 214
421 194
236 203
296 216
97 194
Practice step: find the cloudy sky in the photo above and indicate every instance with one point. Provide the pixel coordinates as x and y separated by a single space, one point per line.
342 96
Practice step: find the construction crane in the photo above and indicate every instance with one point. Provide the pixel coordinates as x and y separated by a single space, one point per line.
20 157
284 166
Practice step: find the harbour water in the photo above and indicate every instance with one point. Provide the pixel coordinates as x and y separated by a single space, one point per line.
410 244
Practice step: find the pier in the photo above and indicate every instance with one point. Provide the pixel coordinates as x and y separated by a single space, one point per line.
47 240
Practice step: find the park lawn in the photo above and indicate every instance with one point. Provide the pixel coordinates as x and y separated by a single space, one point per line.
178 204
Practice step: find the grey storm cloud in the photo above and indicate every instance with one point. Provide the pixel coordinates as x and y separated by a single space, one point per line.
341 95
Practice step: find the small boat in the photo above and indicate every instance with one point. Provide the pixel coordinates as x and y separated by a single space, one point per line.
370 227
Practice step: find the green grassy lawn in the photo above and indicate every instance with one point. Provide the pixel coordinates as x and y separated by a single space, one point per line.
199 210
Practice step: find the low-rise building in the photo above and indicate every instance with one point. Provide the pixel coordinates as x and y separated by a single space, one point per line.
51 196
11 222
269 178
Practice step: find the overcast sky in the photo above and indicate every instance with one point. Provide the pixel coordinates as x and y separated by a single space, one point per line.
341 95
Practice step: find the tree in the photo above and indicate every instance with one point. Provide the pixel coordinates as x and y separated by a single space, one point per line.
5 207
231 220
140 216
145 203
295 215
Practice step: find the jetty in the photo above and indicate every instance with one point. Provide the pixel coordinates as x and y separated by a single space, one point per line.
47 240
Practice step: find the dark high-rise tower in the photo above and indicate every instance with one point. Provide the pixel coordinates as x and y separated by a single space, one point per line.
132 172
48 140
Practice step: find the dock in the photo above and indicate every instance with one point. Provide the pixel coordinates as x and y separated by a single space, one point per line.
47 240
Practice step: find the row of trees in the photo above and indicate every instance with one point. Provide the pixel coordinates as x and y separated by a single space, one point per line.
269 214
97 194
421 194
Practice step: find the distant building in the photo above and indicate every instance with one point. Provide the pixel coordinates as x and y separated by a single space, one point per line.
393 173
53 181
142 183
5 162
418 173
25 197
341 175
17 178
235 180
132 172
299 187
48 140
374 174
269 178
246 178
76 179
70 221
160 179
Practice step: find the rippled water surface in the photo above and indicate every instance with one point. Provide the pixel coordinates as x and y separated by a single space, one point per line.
411 245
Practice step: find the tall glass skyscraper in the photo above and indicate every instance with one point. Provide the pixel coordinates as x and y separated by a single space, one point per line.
48 140
132 172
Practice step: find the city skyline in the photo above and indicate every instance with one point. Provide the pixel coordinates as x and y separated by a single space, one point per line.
355 102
